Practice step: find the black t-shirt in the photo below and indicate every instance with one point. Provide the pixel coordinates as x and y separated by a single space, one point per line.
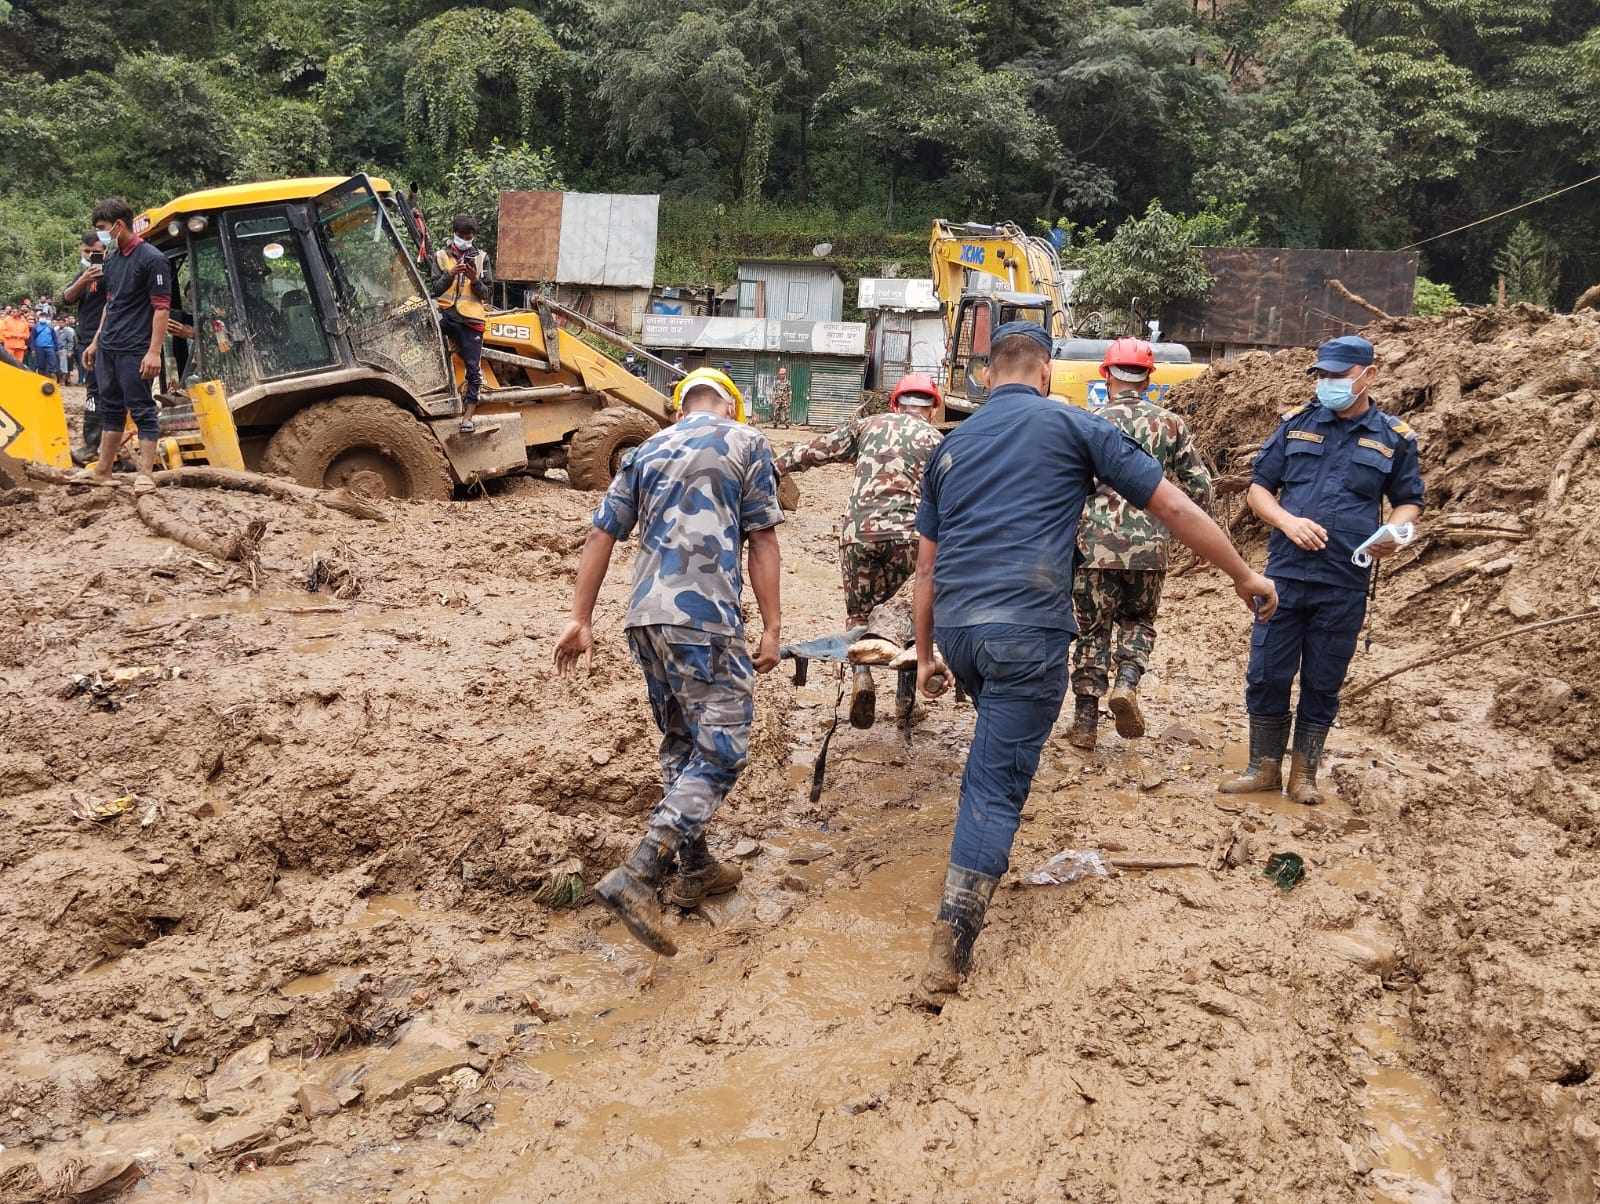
138 282
91 307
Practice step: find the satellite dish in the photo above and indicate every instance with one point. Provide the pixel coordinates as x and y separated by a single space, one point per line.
822 249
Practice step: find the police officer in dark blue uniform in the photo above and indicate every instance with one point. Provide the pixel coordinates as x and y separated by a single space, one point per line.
1319 482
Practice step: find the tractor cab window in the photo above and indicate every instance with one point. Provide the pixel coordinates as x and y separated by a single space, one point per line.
971 348
219 328
278 307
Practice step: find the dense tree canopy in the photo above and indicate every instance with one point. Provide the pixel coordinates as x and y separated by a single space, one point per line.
1359 123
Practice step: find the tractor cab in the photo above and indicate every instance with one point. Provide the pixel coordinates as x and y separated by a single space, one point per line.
295 291
978 316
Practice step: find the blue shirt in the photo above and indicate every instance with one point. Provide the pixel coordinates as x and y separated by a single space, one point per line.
44 336
1335 472
695 491
1002 499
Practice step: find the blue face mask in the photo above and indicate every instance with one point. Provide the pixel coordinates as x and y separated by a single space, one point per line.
104 236
1336 393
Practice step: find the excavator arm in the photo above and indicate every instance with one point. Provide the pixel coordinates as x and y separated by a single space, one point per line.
1017 263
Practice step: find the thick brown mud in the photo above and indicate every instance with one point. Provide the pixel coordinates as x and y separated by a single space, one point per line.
326 952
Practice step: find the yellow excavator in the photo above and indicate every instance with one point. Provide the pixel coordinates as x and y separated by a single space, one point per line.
985 276
316 354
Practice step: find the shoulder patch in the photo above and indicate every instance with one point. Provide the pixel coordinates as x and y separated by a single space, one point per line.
1308 436
1296 412
1400 426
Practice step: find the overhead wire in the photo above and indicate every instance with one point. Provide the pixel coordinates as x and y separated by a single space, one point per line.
1525 204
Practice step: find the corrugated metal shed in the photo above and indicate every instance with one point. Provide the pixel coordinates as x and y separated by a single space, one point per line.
1279 296
795 290
595 238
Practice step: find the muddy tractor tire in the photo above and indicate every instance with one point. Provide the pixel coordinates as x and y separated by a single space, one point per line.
597 447
367 445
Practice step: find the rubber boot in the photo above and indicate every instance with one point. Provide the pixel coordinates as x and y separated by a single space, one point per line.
629 892
1309 739
960 919
1268 736
863 697
701 875
1085 718
1124 702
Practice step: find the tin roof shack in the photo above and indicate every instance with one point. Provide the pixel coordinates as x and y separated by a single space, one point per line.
905 332
804 290
595 252
1272 297
825 360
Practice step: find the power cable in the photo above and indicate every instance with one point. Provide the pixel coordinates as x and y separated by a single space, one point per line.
1502 213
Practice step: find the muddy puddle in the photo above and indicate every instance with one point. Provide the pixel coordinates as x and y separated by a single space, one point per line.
1409 1122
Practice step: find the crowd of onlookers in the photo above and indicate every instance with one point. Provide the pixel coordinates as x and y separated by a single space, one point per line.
37 337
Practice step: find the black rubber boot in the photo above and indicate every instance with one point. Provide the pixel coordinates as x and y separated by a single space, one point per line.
1268 736
701 875
863 697
961 911
1124 702
1085 719
1309 740
629 892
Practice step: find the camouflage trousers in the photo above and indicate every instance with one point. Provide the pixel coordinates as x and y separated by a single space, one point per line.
702 694
1116 613
872 574
780 411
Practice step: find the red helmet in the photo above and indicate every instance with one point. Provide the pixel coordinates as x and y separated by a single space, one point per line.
1128 353
915 383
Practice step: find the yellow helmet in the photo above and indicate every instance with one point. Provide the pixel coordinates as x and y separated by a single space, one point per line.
716 379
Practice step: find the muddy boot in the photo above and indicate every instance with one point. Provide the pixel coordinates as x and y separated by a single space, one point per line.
629 892
863 697
701 875
966 899
1085 718
1309 739
1268 736
1124 703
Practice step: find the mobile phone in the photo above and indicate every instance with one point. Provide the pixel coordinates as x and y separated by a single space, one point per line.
97 256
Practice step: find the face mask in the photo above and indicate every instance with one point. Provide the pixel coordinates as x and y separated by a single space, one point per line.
105 237
462 244
84 260
1336 393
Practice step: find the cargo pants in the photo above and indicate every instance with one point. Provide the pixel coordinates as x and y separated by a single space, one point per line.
702 694
1312 635
1017 679
1116 613
872 573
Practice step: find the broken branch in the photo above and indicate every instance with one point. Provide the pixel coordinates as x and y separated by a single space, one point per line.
1561 477
1448 653
1338 286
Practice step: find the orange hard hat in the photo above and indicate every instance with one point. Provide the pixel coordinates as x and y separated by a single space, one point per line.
917 383
1129 353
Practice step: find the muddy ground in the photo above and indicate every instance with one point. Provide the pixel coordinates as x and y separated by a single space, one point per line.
336 948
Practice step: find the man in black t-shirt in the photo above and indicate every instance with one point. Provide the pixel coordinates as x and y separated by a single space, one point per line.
88 293
125 355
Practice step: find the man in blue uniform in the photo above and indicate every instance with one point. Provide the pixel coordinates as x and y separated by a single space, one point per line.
998 527
1319 482
698 493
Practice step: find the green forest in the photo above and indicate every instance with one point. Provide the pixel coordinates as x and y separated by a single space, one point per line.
779 123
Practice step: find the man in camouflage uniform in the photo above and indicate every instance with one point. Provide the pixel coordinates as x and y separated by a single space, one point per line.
1123 552
878 541
697 492
781 397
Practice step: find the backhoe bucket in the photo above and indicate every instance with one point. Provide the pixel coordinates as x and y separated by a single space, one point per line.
33 421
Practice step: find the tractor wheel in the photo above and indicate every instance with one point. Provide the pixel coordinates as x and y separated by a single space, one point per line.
367 445
596 451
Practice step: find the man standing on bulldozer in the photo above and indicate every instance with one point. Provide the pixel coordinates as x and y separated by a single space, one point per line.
697 492
1123 551
878 540
460 286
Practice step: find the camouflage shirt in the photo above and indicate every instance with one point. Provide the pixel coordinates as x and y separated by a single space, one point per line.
1116 535
696 490
890 452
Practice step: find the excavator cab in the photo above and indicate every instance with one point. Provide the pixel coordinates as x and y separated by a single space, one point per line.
978 316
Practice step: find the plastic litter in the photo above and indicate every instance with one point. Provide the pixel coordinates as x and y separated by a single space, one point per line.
1069 865
1286 870
1400 536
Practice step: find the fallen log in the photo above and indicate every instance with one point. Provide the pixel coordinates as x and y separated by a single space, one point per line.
239 547
1338 286
1561 476
1460 649
202 477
